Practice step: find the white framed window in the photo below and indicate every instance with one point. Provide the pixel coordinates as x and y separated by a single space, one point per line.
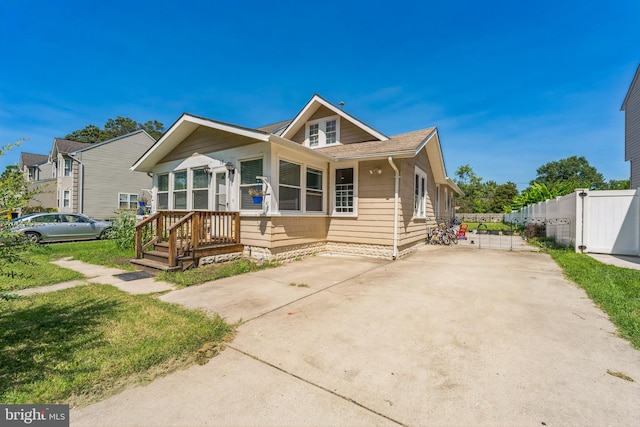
127 201
419 193
249 169
344 187
163 191
54 170
314 134
66 198
68 166
314 197
200 189
180 190
321 132
289 188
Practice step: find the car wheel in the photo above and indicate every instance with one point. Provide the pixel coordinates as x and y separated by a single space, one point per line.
106 234
32 236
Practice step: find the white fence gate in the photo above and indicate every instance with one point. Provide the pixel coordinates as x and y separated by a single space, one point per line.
605 222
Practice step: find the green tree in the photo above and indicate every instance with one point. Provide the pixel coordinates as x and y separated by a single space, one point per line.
482 197
617 184
114 128
14 194
573 171
503 196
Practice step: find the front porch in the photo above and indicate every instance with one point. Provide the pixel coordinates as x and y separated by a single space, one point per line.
177 240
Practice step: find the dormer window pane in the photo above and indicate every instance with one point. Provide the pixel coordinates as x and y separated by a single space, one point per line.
330 131
313 135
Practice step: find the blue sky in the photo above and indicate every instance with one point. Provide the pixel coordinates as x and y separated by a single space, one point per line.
511 85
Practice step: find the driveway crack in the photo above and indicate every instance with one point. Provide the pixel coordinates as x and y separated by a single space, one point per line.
291 374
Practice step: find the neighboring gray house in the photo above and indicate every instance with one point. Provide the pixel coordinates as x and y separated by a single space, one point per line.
95 179
631 108
39 172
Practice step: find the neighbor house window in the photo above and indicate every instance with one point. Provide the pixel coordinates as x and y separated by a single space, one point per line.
314 194
249 170
127 201
53 170
180 190
163 191
324 131
289 188
419 194
200 189
344 190
67 167
66 198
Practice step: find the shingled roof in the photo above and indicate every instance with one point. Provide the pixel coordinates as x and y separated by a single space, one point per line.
67 146
31 159
406 143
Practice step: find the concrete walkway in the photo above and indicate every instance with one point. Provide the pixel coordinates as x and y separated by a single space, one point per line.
445 336
104 275
632 262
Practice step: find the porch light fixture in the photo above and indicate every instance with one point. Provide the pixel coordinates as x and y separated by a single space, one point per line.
375 170
230 167
208 170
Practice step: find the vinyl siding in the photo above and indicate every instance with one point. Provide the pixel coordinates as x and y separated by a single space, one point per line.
205 140
107 173
46 197
632 134
374 223
349 133
413 230
278 232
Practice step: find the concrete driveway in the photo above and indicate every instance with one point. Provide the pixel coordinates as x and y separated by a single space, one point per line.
446 336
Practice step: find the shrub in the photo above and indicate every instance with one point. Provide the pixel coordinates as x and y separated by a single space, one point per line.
123 231
535 230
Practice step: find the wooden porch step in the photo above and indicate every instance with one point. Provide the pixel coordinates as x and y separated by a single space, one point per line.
155 255
152 266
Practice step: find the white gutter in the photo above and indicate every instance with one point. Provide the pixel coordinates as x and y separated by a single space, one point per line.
395 207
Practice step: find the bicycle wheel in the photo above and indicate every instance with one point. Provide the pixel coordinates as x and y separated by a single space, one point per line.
446 240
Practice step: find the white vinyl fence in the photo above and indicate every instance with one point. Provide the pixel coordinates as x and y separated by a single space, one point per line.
605 222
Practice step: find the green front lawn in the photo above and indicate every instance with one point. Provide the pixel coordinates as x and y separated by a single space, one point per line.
82 344
38 270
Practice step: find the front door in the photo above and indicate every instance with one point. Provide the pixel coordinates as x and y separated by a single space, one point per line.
220 191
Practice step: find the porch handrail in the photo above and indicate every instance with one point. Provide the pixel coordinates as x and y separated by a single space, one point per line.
186 231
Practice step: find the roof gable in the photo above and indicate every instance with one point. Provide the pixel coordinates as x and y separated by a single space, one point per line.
117 138
180 130
31 159
313 105
634 83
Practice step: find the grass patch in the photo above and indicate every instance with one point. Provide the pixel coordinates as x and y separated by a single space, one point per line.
499 226
82 344
98 252
39 271
616 290
208 273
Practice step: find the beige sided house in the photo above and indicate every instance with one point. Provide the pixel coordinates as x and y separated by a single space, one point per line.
95 179
39 172
323 182
631 108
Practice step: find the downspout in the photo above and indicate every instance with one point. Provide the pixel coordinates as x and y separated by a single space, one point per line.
395 207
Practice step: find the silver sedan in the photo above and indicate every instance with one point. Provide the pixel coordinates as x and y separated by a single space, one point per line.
49 227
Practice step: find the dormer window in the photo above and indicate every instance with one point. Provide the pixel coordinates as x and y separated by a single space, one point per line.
321 132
